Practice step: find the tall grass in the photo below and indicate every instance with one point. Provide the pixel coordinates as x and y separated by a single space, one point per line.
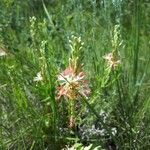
35 36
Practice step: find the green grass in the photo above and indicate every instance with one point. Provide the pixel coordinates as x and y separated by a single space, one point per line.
35 36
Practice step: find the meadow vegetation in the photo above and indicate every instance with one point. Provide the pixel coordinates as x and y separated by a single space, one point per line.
74 75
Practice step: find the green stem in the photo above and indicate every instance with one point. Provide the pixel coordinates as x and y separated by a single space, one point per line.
136 43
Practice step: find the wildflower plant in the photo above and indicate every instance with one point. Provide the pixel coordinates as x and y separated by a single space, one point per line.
112 59
72 82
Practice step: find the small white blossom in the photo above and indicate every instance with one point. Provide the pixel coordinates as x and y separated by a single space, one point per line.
38 77
2 52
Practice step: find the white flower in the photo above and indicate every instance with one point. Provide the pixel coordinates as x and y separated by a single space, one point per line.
38 77
2 52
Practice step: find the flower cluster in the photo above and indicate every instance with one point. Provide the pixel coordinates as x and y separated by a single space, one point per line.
72 84
111 60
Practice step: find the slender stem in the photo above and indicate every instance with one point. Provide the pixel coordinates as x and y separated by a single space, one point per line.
136 43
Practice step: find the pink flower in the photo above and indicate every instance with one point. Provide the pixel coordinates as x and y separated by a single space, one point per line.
112 63
72 84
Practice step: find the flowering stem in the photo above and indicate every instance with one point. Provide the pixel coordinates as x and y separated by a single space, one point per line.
104 84
71 113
